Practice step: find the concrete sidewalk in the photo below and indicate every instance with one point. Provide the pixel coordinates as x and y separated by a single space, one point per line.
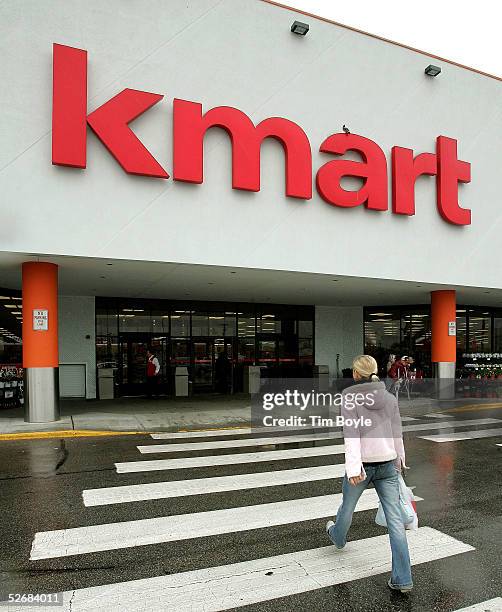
139 414
175 414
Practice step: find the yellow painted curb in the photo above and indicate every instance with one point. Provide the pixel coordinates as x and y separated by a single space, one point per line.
474 407
244 426
70 433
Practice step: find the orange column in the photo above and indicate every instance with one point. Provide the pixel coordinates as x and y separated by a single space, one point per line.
443 312
40 293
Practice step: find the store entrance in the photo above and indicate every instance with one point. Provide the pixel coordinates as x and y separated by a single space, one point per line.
213 365
132 350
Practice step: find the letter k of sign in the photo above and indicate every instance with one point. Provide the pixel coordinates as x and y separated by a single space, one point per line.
110 122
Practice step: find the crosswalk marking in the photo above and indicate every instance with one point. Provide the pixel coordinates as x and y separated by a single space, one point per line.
201 486
127 534
238 431
453 424
201 433
492 605
438 415
232 459
176 447
210 433
250 582
464 435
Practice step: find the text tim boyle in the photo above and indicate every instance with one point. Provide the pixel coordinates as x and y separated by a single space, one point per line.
315 421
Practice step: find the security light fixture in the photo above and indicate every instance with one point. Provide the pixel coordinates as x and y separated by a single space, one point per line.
432 70
299 28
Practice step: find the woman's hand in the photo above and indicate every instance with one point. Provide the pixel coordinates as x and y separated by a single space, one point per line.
355 480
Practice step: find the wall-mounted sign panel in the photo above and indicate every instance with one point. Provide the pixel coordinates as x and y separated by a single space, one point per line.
40 320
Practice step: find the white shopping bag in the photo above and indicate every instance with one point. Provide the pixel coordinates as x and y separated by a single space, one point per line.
407 506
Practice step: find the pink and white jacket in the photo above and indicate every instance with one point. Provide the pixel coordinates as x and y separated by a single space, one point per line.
380 441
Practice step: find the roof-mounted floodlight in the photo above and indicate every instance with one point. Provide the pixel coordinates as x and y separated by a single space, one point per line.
432 70
299 28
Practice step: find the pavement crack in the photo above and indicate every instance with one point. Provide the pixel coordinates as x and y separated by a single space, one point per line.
70 603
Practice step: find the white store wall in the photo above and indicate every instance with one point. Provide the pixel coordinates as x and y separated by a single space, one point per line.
338 330
241 53
76 321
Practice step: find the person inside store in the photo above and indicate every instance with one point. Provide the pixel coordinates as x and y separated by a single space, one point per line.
388 379
374 460
399 368
152 374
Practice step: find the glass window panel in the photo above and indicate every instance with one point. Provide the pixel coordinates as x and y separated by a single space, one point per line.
132 319
382 330
306 351
230 324
269 324
200 325
267 353
160 321
107 351
287 349
246 350
305 329
203 362
497 331
180 353
216 324
246 325
461 333
180 324
480 331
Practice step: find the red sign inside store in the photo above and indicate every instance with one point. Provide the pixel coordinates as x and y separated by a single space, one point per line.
110 122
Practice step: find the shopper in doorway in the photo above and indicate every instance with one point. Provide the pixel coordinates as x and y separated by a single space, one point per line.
374 460
152 374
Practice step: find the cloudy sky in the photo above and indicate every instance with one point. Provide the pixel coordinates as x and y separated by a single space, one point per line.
465 32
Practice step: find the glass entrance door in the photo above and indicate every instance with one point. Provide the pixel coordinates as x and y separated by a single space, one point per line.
133 359
203 353
213 364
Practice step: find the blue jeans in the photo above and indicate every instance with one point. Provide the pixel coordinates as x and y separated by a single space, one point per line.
384 477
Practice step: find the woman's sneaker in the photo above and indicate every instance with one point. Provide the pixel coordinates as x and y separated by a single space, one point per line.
329 525
404 589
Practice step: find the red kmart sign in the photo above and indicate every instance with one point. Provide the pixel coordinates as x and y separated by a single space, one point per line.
110 122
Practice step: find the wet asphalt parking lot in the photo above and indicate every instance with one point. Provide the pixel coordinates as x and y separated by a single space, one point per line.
42 482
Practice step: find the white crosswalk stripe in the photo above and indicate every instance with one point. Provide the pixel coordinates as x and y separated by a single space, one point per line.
450 424
232 459
464 435
438 415
176 447
492 605
111 536
251 582
213 433
202 486
237 431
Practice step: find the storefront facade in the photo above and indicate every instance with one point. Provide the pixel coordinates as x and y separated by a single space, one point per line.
199 179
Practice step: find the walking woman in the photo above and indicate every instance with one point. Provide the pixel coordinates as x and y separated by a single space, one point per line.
374 455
